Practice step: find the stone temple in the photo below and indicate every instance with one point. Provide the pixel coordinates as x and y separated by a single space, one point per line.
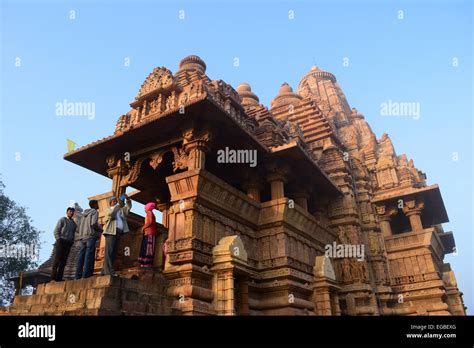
248 238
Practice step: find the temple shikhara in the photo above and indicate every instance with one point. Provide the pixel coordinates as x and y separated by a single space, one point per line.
253 240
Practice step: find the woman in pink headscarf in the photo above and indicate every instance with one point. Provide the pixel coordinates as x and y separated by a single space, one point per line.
147 250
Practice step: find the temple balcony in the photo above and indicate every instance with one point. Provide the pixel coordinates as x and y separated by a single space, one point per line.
417 256
281 211
440 243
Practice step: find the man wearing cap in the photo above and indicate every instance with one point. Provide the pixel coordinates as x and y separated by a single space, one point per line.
115 226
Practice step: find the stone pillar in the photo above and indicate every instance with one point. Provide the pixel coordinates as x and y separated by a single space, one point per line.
226 263
276 176
277 182
323 301
197 155
252 188
335 308
244 292
145 109
385 225
351 304
412 210
301 198
196 147
325 287
385 216
229 291
163 208
116 171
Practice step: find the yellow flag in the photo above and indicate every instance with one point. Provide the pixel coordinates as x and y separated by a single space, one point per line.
70 145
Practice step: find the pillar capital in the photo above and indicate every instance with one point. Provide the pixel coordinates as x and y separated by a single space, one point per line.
301 194
412 209
301 197
162 205
117 169
276 176
277 171
385 214
193 139
195 146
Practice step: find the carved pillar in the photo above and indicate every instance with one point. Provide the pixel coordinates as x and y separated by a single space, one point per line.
163 208
351 304
229 290
385 216
197 155
412 210
145 109
196 148
244 299
323 301
335 308
325 287
139 114
277 178
301 198
252 187
116 171
277 183
226 264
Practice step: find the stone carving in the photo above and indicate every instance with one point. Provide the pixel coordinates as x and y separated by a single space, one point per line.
159 79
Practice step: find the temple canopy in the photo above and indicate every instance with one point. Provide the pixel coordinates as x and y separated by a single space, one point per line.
150 130
434 212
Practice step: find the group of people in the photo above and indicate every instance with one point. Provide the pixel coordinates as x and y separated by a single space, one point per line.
88 231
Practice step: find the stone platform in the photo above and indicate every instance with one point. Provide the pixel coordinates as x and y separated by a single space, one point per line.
132 292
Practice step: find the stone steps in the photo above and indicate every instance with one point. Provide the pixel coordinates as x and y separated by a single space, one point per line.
132 293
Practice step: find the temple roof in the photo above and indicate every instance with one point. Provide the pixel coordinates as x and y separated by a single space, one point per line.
318 74
285 96
248 97
155 120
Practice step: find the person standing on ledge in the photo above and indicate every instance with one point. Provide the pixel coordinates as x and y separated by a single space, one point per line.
147 249
88 233
64 235
115 226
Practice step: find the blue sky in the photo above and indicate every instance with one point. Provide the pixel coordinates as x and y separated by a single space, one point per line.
412 59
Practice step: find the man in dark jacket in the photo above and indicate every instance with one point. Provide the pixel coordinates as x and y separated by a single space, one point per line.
64 235
88 233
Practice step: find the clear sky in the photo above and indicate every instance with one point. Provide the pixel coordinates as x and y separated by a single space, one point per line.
49 54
